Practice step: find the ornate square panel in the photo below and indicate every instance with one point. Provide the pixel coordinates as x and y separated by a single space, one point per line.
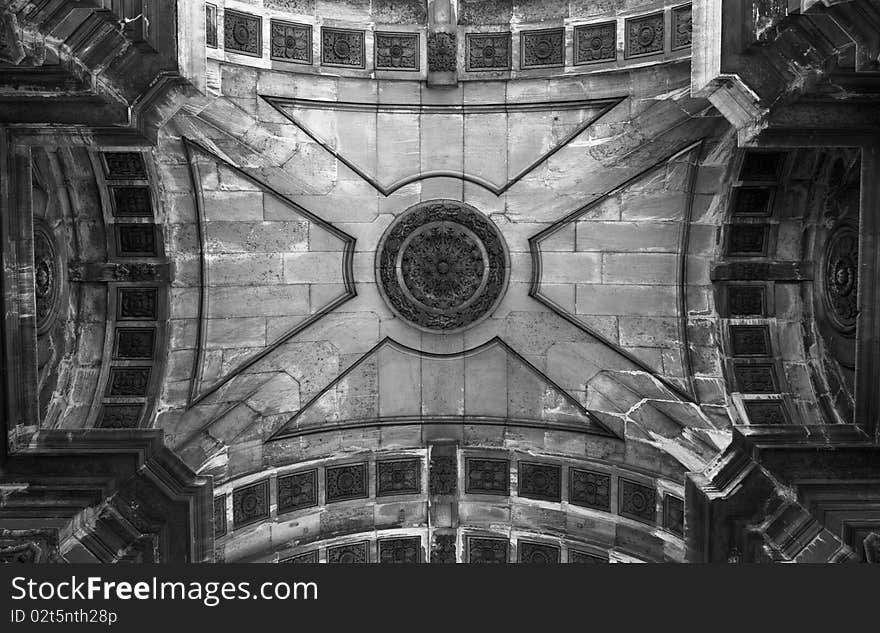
542 49
752 201
594 43
681 27
762 167
120 416
346 482
349 554
397 51
398 477
133 240
756 378
443 475
211 25
442 52
540 481
487 476
137 304
400 550
128 381
125 165
242 33
443 548
486 550
250 504
673 514
487 51
644 35
574 556
342 47
637 501
219 516
134 343
296 491
765 411
746 301
538 553
291 42
589 489
750 340
747 240
131 201
309 558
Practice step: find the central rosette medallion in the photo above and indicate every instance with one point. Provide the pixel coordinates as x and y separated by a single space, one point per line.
442 266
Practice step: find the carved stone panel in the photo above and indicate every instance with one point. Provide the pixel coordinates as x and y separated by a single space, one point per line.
443 475
342 47
442 52
134 240
250 504
134 343
119 416
443 549
540 481
743 301
291 42
487 51
125 165
219 516
538 553
756 378
128 381
297 491
242 33
542 49
137 304
131 201
682 27
397 51
442 266
346 482
308 558
487 550
211 25
47 277
352 553
673 514
487 476
400 11
400 550
840 277
644 35
398 477
479 12
594 43
752 201
750 340
765 412
637 501
589 489
574 556
748 240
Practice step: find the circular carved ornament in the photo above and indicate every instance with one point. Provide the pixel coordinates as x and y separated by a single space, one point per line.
647 35
241 34
47 277
841 278
442 266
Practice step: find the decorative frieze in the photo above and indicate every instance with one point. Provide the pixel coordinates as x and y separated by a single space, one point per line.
242 33
644 35
397 51
595 43
342 47
542 49
291 42
297 491
487 51
250 504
